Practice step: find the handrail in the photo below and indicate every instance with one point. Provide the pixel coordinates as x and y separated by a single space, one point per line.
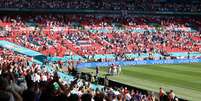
92 11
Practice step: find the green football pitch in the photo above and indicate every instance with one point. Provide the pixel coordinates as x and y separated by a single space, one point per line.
184 79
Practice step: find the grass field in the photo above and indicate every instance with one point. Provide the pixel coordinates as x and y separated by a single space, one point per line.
184 79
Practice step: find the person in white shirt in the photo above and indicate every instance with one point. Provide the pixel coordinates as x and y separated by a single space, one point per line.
43 77
118 70
171 95
35 77
128 96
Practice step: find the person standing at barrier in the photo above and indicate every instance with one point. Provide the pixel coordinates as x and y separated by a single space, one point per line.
114 70
118 70
109 70
171 96
106 81
97 71
161 94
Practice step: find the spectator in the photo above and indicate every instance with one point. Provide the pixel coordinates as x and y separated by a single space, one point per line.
162 94
171 96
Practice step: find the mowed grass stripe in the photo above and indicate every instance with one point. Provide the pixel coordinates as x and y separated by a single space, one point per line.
166 74
193 74
193 65
177 71
185 67
154 86
155 76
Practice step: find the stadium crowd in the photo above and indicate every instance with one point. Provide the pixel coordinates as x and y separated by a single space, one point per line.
65 35
135 5
23 80
61 35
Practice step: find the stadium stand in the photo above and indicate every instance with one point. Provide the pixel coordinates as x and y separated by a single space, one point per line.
66 40
63 35
136 5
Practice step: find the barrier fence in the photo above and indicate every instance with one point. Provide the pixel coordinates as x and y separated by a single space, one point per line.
141 62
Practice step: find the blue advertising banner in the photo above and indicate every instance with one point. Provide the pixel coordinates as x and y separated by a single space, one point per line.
142 62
